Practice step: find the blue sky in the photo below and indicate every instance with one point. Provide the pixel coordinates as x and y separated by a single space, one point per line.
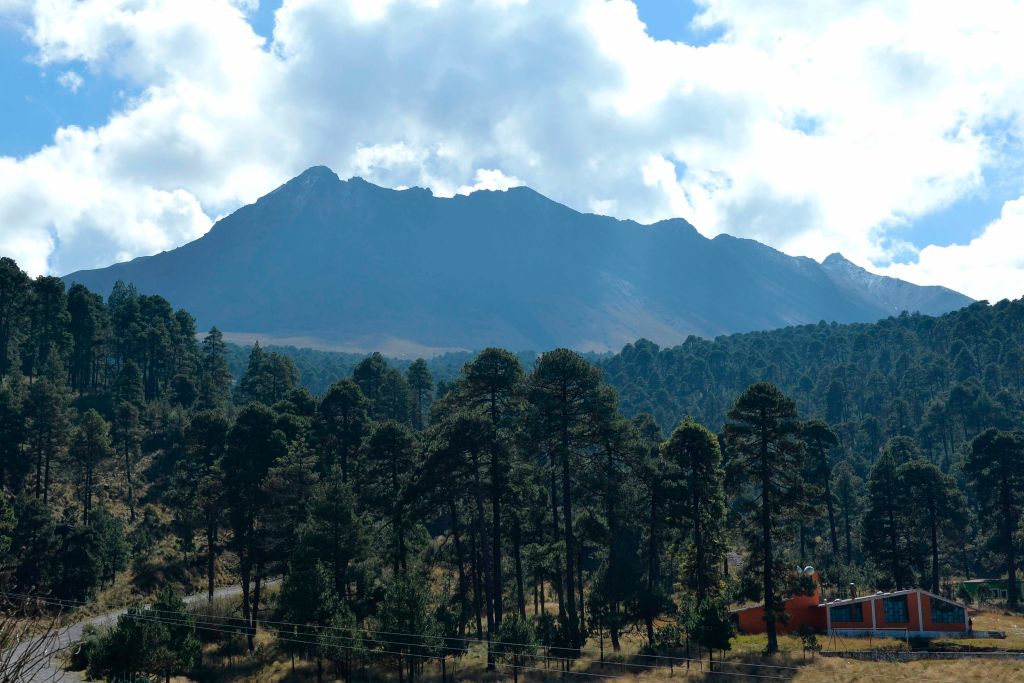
888 131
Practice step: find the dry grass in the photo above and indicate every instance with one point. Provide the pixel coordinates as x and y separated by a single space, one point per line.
830 670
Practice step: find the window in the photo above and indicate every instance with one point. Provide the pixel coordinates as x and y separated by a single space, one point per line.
896 610
848 613
946 612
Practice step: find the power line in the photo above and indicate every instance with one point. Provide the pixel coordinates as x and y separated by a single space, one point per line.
214 624
458 640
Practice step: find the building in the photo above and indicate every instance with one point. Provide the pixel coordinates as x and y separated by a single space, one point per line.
987 590
913 612
803 610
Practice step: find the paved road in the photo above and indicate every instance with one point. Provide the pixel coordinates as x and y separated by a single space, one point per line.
71 635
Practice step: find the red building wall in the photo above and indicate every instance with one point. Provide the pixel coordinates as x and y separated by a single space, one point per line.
803 610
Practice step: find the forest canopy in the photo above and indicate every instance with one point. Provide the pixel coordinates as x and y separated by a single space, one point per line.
553 496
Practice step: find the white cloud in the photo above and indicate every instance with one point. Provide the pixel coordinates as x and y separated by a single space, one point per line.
813 126
70 80
988 267
490 179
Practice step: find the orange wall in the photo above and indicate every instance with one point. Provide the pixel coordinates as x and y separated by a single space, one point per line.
929 625
803 610
912 624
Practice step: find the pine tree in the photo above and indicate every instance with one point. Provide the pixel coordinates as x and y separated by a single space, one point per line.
49 430
214 374
14 303
89 447
566 405
935 507
695 454
199 482
390 462
254 444
421 386
847 485
995 469
764 442
490 385
13 430
339 425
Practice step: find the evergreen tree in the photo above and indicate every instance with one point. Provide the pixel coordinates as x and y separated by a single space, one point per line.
13 429
127 435
14 302
405 609
820 440
49 430
695 454
995 469
421 387
490 386
48 324
935 507
369 375
340 423
846 485
888 534
253 446
334 533
566 405
390 462
89 447
214 374
199 483
764 442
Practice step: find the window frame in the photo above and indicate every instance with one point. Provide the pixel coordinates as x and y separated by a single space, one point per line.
896 600
854 609
951 613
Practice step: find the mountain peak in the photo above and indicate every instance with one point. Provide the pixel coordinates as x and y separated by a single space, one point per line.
353 264
317 174
837 259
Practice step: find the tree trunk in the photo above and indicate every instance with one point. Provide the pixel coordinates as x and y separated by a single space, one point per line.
933 524
570 547
558 578
477 583
518 559
849 532
485 560
130 492
653 569
460 560
766 540
245 567
1011 555
498 588
258 582
211 554
829 505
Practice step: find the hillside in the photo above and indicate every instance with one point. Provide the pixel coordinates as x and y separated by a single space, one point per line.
348 265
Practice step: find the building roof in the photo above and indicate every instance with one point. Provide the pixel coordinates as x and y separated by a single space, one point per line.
880 594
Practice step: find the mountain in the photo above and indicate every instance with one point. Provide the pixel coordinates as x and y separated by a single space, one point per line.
349 265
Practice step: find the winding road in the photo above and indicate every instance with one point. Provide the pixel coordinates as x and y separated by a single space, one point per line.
70 635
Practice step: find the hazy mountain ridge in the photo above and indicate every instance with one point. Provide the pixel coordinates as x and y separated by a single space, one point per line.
362 267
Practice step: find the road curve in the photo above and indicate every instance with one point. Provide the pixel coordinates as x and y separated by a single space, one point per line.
70 635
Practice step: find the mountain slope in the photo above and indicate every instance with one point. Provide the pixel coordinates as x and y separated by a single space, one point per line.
350 265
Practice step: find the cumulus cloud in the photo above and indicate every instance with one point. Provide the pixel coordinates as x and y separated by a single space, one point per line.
988 267
813 126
